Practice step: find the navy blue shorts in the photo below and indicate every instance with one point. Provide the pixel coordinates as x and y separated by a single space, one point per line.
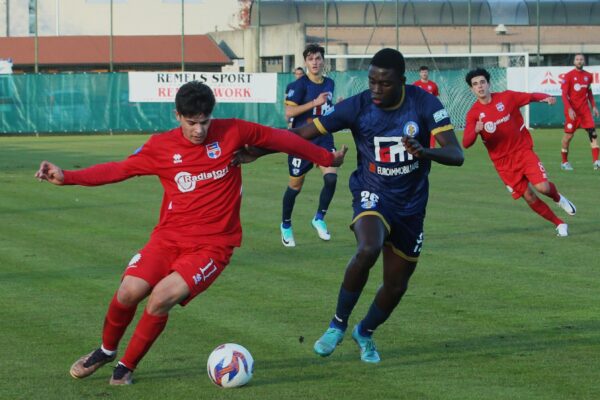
298 167
405 232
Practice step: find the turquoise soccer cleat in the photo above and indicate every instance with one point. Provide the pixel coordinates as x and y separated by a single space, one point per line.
368 351
328 342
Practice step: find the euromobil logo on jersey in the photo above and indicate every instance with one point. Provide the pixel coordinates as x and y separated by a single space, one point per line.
186 182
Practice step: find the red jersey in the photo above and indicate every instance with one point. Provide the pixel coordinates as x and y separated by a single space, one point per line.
202 190
576 87
429 86
504 132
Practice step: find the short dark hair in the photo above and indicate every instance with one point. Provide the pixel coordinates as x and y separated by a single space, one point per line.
389 59
477 72
299 69
424 68
313 48
194 98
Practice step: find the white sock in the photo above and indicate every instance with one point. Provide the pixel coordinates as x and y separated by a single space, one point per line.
108 352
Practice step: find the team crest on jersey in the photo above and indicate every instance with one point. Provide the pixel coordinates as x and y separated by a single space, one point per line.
411 129
213 150
585 78
490 127
500 106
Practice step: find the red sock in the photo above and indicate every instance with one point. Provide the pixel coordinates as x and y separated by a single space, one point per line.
116 321
432 142
565 155
146 332
545 212
553 193
595 151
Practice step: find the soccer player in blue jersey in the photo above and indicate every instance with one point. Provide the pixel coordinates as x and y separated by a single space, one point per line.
391 124
298 73
307 98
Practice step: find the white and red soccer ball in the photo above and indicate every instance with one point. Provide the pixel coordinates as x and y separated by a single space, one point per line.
230 365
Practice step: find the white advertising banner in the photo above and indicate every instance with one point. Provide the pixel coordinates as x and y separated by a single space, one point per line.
233 87
546 79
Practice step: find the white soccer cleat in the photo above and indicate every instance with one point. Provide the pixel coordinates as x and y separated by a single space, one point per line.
566 166
562 230
287 236
596 165
321 228
566 205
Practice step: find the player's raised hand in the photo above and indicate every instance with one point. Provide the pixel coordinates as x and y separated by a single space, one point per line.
412 146
321 99
51 173
479 124
338 156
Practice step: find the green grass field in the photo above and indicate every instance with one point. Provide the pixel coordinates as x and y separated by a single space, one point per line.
499 308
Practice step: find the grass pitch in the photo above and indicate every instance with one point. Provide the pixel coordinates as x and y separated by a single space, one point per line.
499 307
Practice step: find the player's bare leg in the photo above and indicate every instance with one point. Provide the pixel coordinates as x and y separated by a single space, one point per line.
166 294
370 233
396 274
565 142
120 313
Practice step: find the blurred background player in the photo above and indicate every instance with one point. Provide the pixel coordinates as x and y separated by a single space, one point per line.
497 118
199 224
307 98
298 73
429 86
576 87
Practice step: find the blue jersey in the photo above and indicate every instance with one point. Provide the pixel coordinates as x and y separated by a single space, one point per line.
384 166
304 91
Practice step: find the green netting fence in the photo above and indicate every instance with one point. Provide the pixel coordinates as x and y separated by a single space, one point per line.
99 103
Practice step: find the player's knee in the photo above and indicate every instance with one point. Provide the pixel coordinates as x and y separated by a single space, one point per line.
592 134
129 296
330 180
367 254
160 303
296 184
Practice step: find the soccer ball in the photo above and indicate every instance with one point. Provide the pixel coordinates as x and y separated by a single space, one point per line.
230 365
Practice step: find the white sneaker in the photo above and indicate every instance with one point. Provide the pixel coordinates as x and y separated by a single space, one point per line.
562 230
566 205
596 165
321 228
566 166
287 236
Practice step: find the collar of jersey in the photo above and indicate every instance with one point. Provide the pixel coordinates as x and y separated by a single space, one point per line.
397 106
313 78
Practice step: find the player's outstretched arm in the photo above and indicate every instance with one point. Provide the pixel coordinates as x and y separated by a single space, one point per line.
450 152
51 173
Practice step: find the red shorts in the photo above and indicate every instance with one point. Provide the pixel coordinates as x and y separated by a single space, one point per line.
583 120
198 265
520 169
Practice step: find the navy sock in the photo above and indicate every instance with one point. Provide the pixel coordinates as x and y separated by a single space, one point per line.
375 317
329 182
289 199
346 302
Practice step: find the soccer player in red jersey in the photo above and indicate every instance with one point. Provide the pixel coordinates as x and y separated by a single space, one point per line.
576 87
497 118
429 86
199 224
